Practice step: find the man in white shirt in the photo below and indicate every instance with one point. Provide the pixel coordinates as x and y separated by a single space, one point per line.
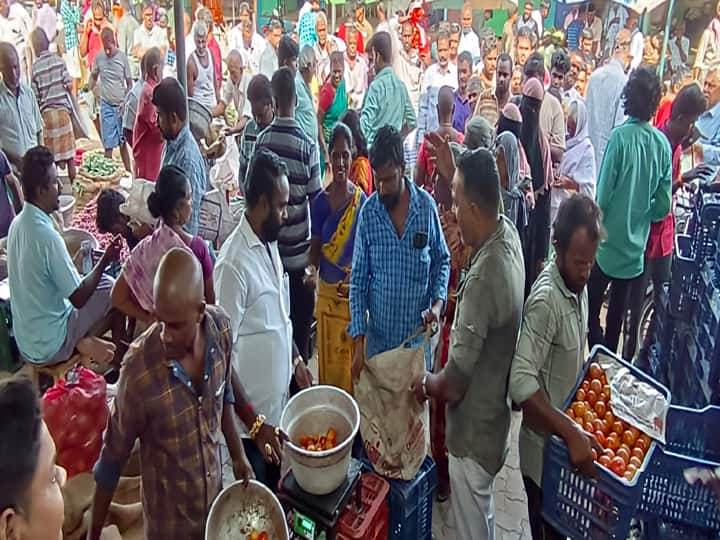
605 108
234 90
408 66
15 25
637 41
356 70
614 22
469 40
149 35
253 289
326 44
269 57
443 72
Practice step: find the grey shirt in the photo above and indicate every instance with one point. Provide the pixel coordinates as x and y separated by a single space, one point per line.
114 73
550 354
482 345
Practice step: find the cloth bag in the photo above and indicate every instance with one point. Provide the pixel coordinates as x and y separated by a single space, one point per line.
395 428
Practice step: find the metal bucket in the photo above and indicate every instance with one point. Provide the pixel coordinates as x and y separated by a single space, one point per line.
238 510
315 410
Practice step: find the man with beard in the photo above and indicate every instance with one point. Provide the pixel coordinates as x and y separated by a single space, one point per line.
252 288
489 62
525 44
175 395
407 64
443 72
503 74
559 68
400 255
181 149
577 66
529 22
287 139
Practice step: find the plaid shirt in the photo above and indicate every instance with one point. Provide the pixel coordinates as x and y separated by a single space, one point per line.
393 280
179 428
71 18
50 79
247 147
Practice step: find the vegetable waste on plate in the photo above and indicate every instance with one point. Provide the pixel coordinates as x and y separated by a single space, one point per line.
258 535
318 442
624 446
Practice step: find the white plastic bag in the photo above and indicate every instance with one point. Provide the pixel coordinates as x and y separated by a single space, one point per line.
135 206
224 174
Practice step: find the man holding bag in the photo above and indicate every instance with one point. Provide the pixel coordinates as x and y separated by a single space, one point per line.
401 263
474 381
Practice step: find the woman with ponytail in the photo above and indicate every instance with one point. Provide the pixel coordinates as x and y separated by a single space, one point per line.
171 205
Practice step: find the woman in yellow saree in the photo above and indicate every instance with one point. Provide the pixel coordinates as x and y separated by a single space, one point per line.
334 215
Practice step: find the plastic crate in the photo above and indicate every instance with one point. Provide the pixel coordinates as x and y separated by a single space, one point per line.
685 279
582 507
669 530
692 441
411 503
371 521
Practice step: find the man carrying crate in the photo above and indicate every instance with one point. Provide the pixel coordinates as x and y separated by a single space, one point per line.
550 353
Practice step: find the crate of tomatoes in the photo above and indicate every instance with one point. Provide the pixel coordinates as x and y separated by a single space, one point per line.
625 410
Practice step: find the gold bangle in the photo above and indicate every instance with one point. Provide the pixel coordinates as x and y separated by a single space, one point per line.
257 424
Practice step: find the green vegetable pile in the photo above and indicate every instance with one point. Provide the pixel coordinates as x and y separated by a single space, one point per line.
98 166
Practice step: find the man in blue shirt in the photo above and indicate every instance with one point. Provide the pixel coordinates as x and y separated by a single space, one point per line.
181 149
708 125
53 308
401 264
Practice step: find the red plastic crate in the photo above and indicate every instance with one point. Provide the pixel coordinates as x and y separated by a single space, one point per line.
371 522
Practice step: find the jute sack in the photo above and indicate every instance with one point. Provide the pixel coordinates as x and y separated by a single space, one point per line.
395 428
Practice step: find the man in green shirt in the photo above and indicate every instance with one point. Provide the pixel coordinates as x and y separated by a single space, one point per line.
633 191
482 344
387 101
550 352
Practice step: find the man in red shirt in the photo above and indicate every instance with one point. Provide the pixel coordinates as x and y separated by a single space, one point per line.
214 48
148 141
687 106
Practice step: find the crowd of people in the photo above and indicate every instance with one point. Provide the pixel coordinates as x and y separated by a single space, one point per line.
494 188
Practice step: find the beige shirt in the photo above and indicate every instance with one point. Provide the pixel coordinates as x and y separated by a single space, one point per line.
552 120
549 355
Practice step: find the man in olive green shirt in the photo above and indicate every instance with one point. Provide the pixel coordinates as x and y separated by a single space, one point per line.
482 344
633 191
550 352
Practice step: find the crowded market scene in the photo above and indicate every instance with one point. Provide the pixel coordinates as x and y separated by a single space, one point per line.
312 213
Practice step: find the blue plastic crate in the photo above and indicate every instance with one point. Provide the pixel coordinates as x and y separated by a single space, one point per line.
669 530
582 507
692 441
684 287
411 503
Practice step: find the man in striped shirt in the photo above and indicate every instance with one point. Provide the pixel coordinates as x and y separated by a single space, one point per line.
51 83
259 93
287 139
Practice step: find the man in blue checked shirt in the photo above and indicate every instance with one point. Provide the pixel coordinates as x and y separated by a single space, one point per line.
401 264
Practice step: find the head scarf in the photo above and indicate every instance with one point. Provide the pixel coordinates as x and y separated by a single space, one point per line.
530 131
578 161
513 198
487 107
479 133
510 120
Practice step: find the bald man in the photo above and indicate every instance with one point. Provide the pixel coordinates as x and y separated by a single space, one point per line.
21 127
175 394
235 91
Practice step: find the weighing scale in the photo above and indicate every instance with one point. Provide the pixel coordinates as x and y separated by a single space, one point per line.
313 517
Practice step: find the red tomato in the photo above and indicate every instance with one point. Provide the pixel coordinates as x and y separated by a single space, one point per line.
606 390
596 386
600 437
634 460
617 465
594 454
579 408
604 460
600 408
589 417
591 396
609 452
638 453
263 536
623 453
641 443
585 385
580 394
595 371
613 442
609 418
617 428
629 437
